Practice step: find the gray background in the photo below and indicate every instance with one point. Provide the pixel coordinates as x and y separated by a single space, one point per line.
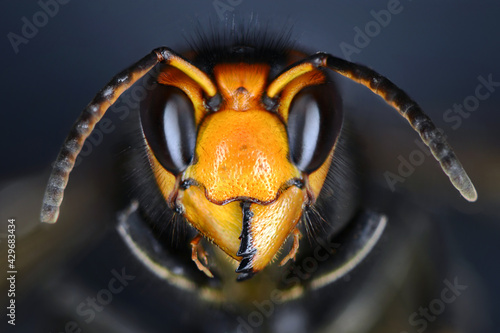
433 50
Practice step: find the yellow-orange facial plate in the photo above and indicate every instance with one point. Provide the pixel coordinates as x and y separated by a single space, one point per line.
241 155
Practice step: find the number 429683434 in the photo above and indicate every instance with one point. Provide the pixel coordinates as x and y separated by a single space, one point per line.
11 241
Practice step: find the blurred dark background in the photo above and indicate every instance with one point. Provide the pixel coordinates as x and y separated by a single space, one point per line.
433 50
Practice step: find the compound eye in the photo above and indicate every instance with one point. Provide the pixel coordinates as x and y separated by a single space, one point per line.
167 119
314 124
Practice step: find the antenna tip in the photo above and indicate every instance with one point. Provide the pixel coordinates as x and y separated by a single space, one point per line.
469 194
465 186
49 214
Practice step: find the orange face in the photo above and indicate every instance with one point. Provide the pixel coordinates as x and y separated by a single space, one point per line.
241 190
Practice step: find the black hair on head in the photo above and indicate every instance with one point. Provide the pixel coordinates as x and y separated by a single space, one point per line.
232 41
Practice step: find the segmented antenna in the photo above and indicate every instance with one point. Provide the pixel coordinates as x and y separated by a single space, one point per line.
409 109
91 115
395 97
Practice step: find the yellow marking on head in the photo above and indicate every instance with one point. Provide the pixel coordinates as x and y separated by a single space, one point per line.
241 85
318 177
164 179
194 73
285 78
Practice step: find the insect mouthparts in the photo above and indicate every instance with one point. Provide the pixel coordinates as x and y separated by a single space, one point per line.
247 249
